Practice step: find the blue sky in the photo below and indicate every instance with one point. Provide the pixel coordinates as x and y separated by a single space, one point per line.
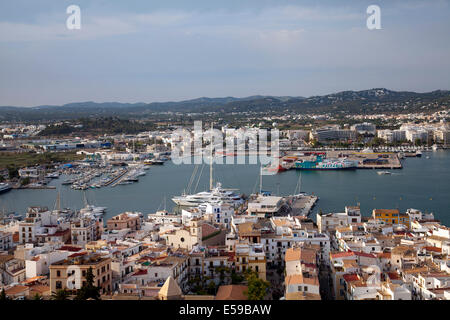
146 50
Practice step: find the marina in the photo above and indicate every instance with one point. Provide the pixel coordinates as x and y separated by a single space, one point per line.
422 183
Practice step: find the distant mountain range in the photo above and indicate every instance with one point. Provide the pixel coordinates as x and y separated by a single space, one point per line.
379 100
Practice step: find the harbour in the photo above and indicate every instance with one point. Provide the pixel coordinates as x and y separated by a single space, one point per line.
421 183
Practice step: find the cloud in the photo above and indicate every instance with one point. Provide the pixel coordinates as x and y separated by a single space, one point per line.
277 20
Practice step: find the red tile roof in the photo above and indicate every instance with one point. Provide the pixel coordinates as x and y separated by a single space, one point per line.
342 254
363 254
140 272
70 248
393 275
351 277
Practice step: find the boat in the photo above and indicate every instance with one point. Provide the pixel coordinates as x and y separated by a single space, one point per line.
4 187
93 210
68 181
216 194
318 163
435 147
53 175
418 154
272 168
383 172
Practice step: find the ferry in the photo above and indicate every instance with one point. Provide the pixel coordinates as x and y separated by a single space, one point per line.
325 164
383 172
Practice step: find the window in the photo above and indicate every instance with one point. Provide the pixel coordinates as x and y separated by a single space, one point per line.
58 273
58 285
83 273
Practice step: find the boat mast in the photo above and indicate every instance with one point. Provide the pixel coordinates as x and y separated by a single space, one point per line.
211 160
260 179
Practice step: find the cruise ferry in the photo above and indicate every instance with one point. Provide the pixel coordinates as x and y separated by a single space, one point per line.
325 164
216 194
4 187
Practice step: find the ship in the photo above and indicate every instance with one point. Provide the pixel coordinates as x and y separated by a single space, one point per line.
274 168
216 194
4 187
319 163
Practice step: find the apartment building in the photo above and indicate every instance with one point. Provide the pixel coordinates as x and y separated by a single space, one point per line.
126 220
70 273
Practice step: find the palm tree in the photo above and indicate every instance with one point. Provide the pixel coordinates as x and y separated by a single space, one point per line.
62 294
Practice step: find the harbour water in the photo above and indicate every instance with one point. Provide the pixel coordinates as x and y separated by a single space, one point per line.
422 184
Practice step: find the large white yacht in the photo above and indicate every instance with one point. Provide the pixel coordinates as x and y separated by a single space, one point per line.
216 194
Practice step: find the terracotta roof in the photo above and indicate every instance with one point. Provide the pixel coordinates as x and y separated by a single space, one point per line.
300 279
389 211
208 229
39 288
363 254
70 248
231 292
342 254
434 249
351 277
140 272
302 296
384 255
393 275
16 290
292 254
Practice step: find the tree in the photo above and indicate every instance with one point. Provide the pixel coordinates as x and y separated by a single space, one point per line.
13 172
257 288
25 181
88 290
37 296
3 295
211 289
62 294
236 278
418 142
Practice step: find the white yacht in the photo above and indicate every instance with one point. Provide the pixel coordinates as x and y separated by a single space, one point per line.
226 196
216 194
4 187
93 210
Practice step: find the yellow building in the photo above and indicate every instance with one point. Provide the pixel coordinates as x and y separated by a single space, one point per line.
71 273
250 256
391 216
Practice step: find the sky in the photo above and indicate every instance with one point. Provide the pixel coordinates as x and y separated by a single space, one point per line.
171 50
